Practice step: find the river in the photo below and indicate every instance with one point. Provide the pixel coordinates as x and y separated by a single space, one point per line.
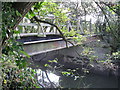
72 81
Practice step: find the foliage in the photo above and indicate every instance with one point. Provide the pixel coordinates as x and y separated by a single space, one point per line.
58 15
15 70
110 27
16 77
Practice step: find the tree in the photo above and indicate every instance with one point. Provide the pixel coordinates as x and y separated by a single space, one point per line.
15 70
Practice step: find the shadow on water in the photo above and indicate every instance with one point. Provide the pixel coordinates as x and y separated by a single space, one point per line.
89 81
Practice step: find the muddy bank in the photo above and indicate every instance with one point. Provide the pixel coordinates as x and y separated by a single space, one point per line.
80 64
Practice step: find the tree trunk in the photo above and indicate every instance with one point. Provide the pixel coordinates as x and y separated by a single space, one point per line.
23 8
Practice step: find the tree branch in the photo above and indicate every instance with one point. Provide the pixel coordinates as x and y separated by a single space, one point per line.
38 20
23 11
111 8
52 84
104 14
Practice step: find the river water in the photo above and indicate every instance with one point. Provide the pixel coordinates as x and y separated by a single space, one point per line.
72 81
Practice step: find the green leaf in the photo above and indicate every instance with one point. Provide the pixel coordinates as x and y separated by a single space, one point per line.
46 65
52 61
18 14
23 52
16 32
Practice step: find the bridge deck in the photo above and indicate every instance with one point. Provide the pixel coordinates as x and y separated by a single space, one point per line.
35 45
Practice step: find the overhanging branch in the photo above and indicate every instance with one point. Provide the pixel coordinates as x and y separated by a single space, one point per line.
38 20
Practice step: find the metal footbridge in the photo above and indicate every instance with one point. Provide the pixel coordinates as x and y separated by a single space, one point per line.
42 38
33 44
44 46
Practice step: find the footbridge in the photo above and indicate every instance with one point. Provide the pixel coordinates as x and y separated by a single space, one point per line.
44 46
43 38
33 44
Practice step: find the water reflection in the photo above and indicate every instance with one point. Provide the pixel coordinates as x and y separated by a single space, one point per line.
86 81
47 79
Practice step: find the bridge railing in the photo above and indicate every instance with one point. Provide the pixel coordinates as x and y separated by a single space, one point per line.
26 27
82 27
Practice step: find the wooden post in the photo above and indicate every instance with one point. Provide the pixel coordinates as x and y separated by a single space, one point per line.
90 27
81 28
68 25
78 24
